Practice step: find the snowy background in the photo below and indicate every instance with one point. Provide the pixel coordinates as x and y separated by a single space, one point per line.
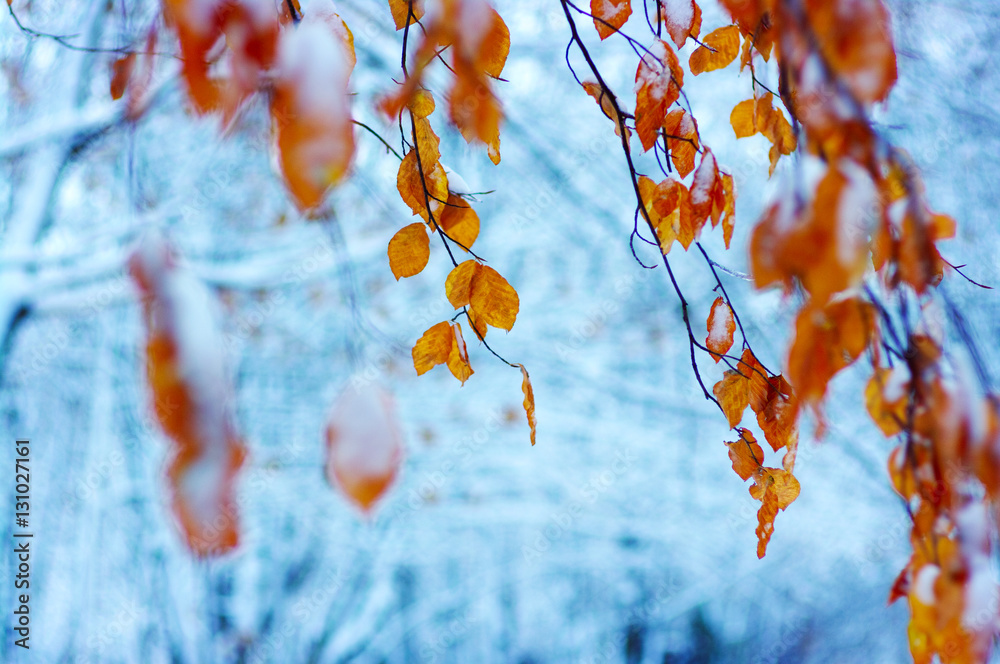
623 536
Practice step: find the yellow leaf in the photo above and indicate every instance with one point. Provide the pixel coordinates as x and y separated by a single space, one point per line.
529 400
400 12
458 285
411 187
433 348
742 119
494 300
495 47
459 221
409 250
720 48
458 356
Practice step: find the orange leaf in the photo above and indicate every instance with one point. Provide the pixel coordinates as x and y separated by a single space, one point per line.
733 396
610 15
886 398
190 398
495 47
409 250
529 401
121 72
720 48
776 489
729 208
433 348
855 40
745 454
721 328
682 140
658 83
742 119
458 285
458 356
495 301
412 188
827 339
777 413
459 221
607 107
738 389
364 448
401 12
682 19
314 133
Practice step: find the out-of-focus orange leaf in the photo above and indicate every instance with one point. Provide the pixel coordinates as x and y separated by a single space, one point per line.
529 401
459 221
720 48
250 28
409 250
401 12
855 39
121 72
658 82
364 447
827 339
721 328
610 15
826 246
746 455
191 398
885 398
313 130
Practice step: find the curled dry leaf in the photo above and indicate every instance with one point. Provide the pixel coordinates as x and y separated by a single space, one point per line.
529 401
442 344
